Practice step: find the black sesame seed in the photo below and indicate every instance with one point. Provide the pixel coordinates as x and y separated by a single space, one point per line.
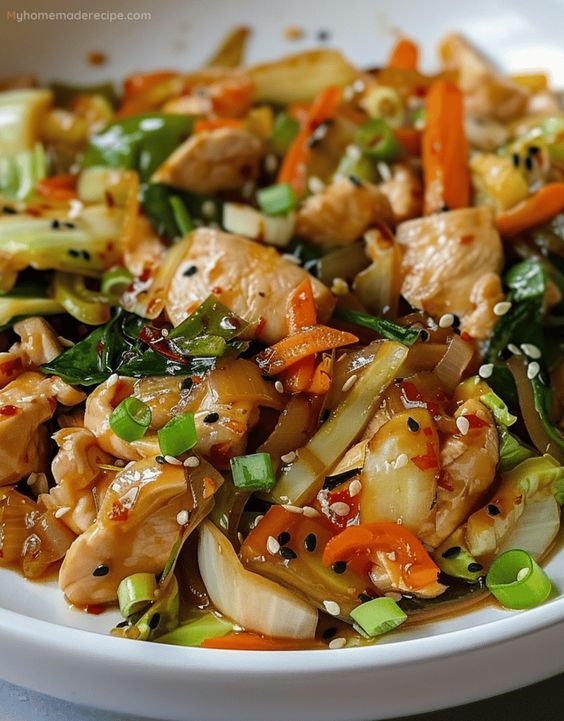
364 597
504 354
9 211
323 36
325 415
355 180
444 208
100 571
424 335
455 321
452 552
412 425
329 633
493 510
310 542
534 149
261 294
515 159
186 384
284 538
55 224
528 162
74 253
287 553
122 624
339 566
211 418
160 459
190 271
69 225
475 567
154 622
85 254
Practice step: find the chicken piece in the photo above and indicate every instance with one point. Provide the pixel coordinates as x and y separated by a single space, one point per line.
404 191
26 403
136 527
145 250
446 259
468 469
81 483
250 279
485 295
226 92
39 343
212 160
342 212
488 94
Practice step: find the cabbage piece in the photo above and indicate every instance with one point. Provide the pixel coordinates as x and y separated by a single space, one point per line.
20 113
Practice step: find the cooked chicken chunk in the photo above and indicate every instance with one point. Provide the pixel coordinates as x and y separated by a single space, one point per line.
136 527
488 93
447 265
404 191
250 279
39 343
26 403
212 160
342 212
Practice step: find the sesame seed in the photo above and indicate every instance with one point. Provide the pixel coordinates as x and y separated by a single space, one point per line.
190 270
452 552
289 457
355 180
112 380
493 510
187 384
270 163
279 387
513 348
348 93
339 567
401 461
446 320
287 553
485 370
293 509
339 508
100 571
353 152
523 573
463 424
332 608
208 209
315 185
272 546
284 537
60 512
211 418
339 286
349 383
132 463
65 341
159 459
533 369
355 488
531 350
257 520
502 307
240 537
173 461
291 258
329 633
119 463
412 424
154 622
393 596
358 85
310 512
475 567
182 517
310 542
384 170
337 643
192 462
164 332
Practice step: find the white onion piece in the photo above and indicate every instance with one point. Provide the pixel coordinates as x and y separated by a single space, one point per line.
536 529
244 220
256 603
452 365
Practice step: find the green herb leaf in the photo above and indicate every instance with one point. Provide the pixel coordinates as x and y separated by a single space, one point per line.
384 327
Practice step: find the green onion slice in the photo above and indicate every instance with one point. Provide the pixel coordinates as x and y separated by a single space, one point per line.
378 616
202 347
116 281
195 632
253 472
285 130
517 581
130 419
181 215
178 435
377 140
277 199
135 592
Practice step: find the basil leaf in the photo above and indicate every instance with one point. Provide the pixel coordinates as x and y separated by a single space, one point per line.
384 327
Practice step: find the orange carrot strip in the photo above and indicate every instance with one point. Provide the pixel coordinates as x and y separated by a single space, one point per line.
321 381
215 123
409 139
299 376
534 210
294 165
253 642
301 314
445 151
404 55
306 342
58 187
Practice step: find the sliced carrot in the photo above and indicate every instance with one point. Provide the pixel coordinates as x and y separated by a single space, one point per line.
301 314
58 187
445 150
294 165
299 111
409 139
404 55
321 381
146 91
534 210
308 341
244 641
215 123
299 376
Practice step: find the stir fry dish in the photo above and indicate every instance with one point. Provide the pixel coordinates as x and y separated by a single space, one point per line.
282 345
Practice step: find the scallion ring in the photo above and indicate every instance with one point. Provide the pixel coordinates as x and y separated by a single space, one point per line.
378 616
377 140
130 419
178 435
517 580
135 592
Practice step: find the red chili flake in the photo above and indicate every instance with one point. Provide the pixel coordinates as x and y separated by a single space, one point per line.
466 336
118 512
99 347
217 290
428 461
154 338
443 483
410 391
109 199
11 365
145 275
95 610
9 410
475 421
343 496
465 239
428 431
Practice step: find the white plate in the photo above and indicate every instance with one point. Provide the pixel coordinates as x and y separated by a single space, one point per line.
46 646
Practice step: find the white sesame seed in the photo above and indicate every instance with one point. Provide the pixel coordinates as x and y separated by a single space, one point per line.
401 461
531 350
353 152
129 464
355 488
192 462
65 341
289 457
279 386
502 307
533 369
315 185
358 85
119 463
258 519
349 383
332 607
182 517
393 596
112 380
348 93
384 170
240 537
339 508
237 628
310 512
270 163
513 349
208 209
446 320
463 424
60 512
291 258
173 461
523 573
485 370
337 643
339 286
293 509
272 545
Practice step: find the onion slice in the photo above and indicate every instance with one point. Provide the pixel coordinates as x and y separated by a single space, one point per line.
452 365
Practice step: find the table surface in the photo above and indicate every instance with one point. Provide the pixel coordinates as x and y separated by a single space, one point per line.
541 702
